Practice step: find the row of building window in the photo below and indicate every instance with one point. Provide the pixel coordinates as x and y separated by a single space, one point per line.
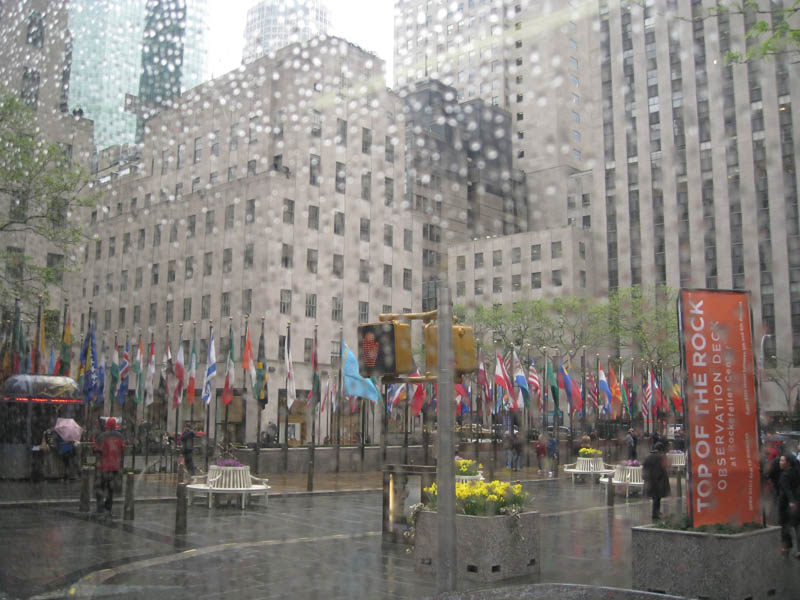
516 283
556 251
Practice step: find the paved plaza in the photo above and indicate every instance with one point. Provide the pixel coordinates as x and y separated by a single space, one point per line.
321 545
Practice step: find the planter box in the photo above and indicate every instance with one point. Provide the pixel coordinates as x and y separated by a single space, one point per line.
711 566
488 548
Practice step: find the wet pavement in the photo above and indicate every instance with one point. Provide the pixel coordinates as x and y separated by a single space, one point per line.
322 545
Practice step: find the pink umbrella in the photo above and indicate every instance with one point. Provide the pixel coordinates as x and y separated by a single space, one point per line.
68 430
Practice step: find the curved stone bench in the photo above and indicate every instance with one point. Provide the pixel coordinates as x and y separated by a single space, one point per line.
228 480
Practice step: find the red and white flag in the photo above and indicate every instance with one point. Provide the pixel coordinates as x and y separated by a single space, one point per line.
180 374
190 386
230 372
501 377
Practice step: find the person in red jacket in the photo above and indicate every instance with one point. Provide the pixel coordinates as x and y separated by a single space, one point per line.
110 447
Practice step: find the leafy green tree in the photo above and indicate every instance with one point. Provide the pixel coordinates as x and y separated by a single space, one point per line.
41 190
773 32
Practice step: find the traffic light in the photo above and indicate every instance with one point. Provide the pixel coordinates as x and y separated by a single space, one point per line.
384 349
463 348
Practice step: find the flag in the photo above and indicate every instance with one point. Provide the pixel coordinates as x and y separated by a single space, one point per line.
602 384
417 392
100 396
677 400
524 394
66 349
462 396
565 381
260 386
483 380
647 394
533 383
291 387
316 385
124 373
354 384
553 383
616 394
658 400
327 397
53 364
18 357
137 369
249 363
192 383
38 345
501 377
151 373
211 370
166 370
230 372
591 389
88 361
114 370
397 393
626 392
180 375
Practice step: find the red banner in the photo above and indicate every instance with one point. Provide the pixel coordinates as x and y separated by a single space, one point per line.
721 409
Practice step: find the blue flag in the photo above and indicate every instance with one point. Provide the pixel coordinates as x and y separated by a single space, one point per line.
354 383
124 373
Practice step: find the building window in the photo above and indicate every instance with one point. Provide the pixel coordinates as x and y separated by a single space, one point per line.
288 211
556 278
231 174
230 214
366 186
363 271
461 288
252 130
126 242
388 183
227 260
582 249
555 250
536 281
389 150
387 276
137 316
388 235
312 256
187 309
151 317
366 140
109 282
287 256
191 225
209 221
98 249
171 271
123 281
407 279
233 137
516 282
181 155
251 168
314 169
188 267
308 349
582 279
30 87
286 302
173 232
281 347
35 36
478 260
121 318
364 230
497 258
338 266
341 132
311 306
215 143
497 285
249 251
140 242
205 307
341 178
198 149
208 263
154 275
479 287
250 211
313 217
316 123
516 255
169 311
338 223
363 311
408 237
337 308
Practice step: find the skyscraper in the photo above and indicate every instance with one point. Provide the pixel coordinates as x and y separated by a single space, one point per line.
108 51
273 24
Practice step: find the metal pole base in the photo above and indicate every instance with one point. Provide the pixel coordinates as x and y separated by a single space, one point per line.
127 511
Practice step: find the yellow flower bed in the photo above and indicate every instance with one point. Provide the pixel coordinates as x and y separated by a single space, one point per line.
590 453
482 498
465 466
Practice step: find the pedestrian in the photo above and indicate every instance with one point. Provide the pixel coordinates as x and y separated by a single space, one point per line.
516 451
586 441
788 499
630 442
656 478
508 447
541 451
552 456
110 447
187 446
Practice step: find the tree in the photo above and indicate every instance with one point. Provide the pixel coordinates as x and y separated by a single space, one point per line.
43 191
770 31
645 322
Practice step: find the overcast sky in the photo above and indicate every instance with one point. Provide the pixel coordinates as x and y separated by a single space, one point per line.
368 24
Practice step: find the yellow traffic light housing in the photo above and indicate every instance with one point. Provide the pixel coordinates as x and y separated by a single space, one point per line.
384 349
463 348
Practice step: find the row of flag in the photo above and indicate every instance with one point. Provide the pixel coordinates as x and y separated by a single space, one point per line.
19 356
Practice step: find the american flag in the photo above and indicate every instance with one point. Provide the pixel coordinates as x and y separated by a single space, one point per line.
648 394
591 389
533 383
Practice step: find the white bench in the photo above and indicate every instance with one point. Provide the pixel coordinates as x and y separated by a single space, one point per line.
588 466
228 480
676 460
627 476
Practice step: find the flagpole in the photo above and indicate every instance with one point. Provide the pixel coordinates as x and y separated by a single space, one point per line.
314 400
286 401
405 426
258 405
244 384
226 443
191 400
597 383
339 394
112 394
180 393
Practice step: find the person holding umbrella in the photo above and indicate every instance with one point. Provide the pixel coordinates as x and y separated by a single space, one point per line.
67 433
110 447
